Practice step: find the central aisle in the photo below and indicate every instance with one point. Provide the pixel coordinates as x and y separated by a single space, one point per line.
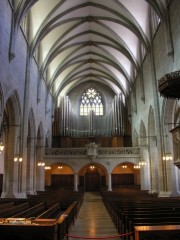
93 219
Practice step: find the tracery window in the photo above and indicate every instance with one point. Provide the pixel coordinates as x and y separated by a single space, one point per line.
91 100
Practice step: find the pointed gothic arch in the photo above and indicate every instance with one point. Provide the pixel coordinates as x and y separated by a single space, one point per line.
12 136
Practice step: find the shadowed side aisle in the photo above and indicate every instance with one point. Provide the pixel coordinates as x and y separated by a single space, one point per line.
93 219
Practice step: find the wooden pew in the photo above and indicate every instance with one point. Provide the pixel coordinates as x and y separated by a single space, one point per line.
31 211
8 212
157 232
66 220
126 216
131 210
6 205
41 229
52 212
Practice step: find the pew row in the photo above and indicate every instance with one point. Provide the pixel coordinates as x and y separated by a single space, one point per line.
171 232
40 228
131 210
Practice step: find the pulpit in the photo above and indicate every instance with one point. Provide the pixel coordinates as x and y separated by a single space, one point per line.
169 85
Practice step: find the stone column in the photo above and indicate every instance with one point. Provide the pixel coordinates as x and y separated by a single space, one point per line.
76 182
109 182
40 178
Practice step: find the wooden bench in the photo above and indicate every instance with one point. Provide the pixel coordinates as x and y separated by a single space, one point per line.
10 211
131 210
66 220
6 205
31 211
157 232
52 212
40 229
127 216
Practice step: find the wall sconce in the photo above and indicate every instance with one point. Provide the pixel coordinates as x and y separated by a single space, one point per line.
92 167
142 163
167 157
41 164
1 140
47 168
124 166
137 166
18 158
60 167
1 147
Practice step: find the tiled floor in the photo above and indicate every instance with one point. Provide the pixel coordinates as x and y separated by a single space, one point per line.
93 219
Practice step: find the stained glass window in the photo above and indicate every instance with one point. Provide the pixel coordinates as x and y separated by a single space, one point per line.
91 100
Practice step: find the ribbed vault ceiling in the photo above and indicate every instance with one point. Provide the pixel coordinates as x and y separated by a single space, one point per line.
83 40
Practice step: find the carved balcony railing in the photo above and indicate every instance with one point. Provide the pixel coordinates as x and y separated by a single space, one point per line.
65 151
124 151
102 152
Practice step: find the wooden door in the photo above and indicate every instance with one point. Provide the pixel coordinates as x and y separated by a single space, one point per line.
92 182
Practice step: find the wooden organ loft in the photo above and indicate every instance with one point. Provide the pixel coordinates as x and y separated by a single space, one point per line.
114 139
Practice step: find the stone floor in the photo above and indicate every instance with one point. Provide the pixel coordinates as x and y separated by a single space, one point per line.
93 219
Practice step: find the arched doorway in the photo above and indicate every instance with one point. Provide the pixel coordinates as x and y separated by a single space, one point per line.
92 178
59 176
124 175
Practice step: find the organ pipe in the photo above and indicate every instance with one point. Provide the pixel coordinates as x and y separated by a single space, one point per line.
70 124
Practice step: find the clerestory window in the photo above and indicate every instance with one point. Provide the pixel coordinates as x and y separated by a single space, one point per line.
91 100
